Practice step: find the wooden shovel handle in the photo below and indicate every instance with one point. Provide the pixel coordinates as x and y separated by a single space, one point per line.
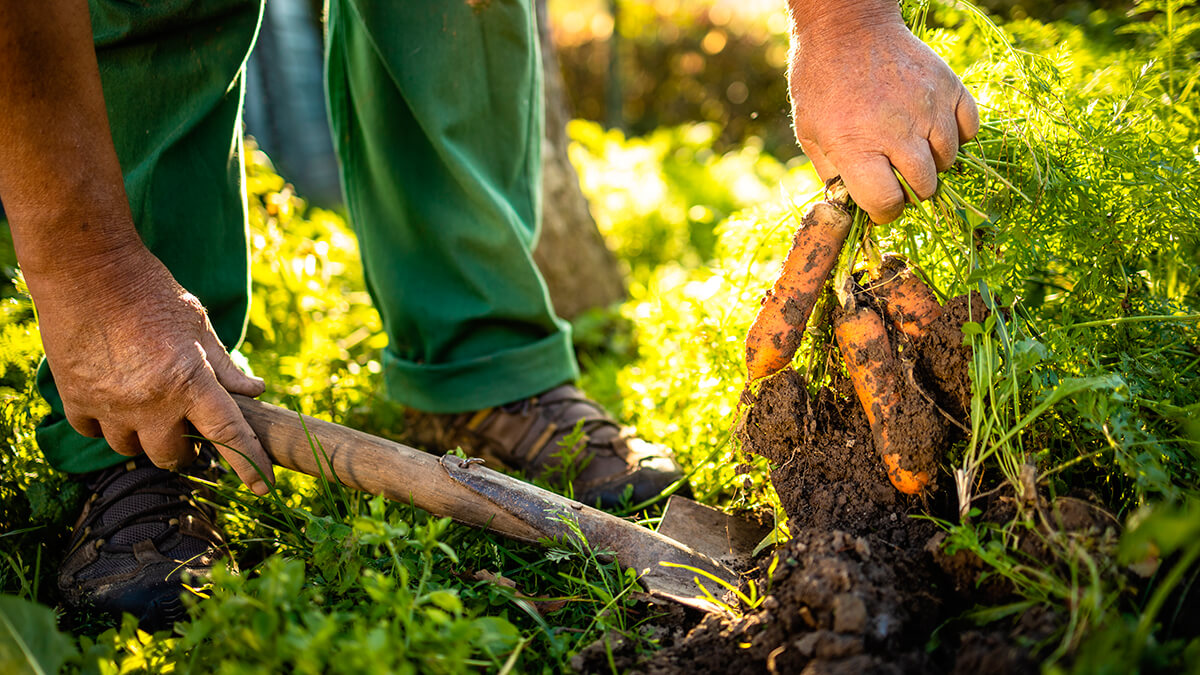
375 465
476 496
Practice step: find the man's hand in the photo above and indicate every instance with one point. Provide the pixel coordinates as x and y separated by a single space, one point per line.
136 360
867 96
132 352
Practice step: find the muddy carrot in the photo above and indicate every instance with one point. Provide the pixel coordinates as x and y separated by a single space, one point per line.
874 371
779 326
909 304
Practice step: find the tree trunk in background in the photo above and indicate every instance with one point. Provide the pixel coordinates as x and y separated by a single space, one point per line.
580 271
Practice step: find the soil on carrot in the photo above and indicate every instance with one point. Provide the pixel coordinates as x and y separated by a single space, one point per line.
862 585
902 410
942 358
795 316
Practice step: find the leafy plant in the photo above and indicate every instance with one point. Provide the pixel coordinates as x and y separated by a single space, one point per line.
29 640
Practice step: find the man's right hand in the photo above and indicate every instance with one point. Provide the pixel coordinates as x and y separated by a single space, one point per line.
868 96
136 360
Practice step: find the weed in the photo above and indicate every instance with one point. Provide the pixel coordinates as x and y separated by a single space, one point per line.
750 600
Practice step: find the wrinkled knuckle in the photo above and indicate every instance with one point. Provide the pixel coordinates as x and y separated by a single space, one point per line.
84 425
121 448
883 218
192 301
171 456
184 373
968 118
944 154
227 432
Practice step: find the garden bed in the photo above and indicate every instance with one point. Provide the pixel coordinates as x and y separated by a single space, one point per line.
866 583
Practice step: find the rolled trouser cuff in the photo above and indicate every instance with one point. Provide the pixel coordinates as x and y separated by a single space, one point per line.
483 382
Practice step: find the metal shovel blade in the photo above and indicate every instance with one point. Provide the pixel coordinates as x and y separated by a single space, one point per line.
729 540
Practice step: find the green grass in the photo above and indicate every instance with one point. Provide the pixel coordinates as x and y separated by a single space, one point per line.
1075 211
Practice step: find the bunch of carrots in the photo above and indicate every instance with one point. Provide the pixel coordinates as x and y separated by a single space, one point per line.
860 329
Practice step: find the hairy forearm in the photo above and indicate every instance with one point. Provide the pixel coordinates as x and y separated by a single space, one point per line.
839 17
60 180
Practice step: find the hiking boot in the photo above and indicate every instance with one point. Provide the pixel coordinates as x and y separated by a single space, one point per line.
141 536
530 436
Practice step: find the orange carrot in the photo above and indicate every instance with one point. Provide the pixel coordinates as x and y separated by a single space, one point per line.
908 482
910 304
874 371
779 326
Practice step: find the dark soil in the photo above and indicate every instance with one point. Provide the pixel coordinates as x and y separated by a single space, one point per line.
838 604
861 586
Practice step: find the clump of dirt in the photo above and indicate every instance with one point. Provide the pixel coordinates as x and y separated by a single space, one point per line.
827 471
992 653
855 589
838 604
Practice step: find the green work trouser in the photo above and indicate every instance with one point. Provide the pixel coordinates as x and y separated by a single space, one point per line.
437 119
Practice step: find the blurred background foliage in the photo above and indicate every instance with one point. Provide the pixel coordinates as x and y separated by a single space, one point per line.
641 65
